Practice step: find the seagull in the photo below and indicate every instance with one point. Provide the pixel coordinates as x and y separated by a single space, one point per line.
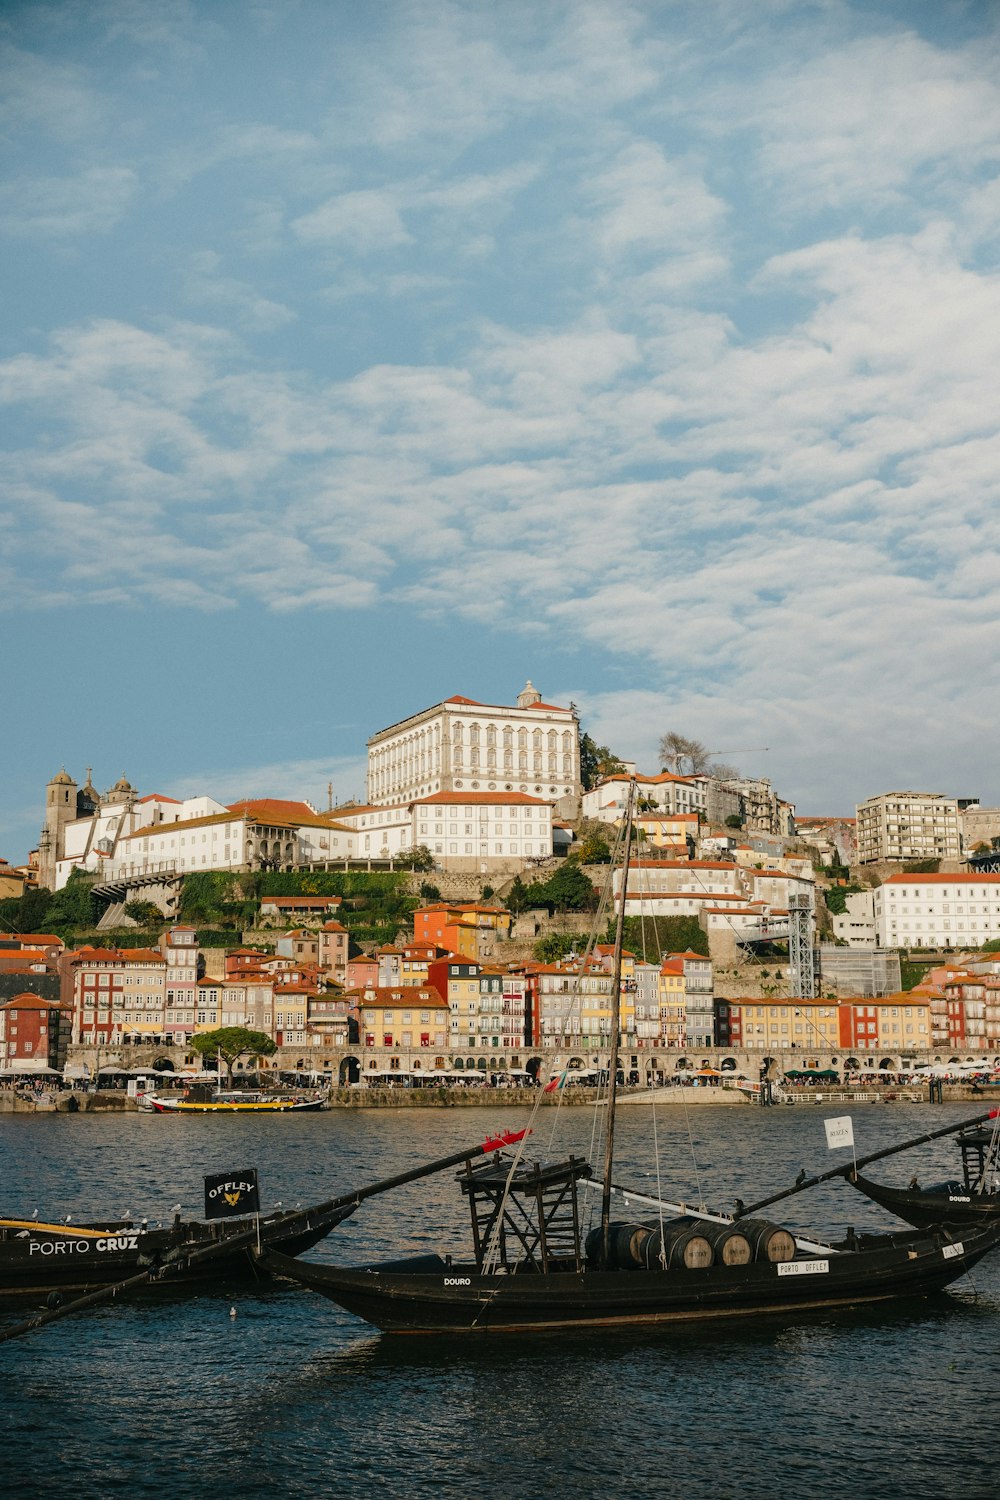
35 1214
801 1178
232 1312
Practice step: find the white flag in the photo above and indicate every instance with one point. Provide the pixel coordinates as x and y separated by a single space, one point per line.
839 1132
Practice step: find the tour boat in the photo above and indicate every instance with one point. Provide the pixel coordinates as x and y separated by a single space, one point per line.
233 1102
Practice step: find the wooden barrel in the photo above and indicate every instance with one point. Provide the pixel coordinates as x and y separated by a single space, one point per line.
681 1243
768 1241
730 1244
627 1246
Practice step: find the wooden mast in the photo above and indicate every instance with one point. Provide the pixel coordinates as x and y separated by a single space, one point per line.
616 1001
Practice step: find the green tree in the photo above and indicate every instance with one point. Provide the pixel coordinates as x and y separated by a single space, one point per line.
568 889
516 897
429 892
596 761
651 937
232 1042
146 913
74 906
592 849
734 821
417 858
555 945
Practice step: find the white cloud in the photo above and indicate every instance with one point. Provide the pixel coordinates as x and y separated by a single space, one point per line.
855 122
66 207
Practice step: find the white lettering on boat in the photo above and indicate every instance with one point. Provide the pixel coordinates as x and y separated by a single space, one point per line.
458 1281
954 1198
803 1267
58 1247
950 1251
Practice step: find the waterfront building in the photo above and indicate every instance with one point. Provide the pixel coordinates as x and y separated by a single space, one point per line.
34 1032
908 826
699 997
456 978
672 1009
120 994
896 1025
937 911
461 745
390 1022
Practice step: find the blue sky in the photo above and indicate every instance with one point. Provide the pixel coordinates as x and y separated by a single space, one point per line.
353 356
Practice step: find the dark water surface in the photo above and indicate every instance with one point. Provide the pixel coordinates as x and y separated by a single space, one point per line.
175 1399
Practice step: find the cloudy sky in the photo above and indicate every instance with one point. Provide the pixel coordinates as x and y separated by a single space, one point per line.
355 355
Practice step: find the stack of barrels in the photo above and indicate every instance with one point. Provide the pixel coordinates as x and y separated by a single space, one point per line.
693 1244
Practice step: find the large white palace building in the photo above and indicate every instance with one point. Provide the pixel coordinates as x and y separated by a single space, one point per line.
464 746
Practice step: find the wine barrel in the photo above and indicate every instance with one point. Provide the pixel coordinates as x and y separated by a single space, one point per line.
768 1241
627 1244
680 1243
730 1244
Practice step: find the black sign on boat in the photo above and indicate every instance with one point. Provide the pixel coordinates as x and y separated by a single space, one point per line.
231 1194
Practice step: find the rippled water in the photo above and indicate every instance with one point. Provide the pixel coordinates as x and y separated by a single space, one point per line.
174 1398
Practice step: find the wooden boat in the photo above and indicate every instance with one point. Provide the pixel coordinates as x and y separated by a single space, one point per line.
233 1102
975 1199
545 1292
533 1267
38 1257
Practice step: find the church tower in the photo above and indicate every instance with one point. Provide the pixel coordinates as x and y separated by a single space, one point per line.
60 809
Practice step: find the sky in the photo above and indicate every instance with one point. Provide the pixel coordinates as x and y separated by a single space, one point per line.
355 356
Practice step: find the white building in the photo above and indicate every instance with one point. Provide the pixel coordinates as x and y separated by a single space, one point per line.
475 831
856 926
670 794
908 826
464 746
266 834
937 911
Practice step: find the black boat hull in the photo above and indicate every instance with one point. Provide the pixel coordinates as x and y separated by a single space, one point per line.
43 1258
432 1296
924 1208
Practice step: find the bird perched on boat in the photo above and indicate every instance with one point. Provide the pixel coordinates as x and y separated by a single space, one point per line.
741 1208
801 1178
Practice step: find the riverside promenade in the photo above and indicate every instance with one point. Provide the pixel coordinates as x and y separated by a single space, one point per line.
118 1101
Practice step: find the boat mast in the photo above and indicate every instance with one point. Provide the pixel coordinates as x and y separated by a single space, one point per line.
616 1001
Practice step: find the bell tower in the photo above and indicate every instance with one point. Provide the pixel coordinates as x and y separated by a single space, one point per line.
60 809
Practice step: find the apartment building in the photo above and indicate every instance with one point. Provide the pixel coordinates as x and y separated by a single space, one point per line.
34 1032
937 911
821 1029
908 826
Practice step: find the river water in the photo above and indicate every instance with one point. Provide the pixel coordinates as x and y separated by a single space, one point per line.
292 1397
